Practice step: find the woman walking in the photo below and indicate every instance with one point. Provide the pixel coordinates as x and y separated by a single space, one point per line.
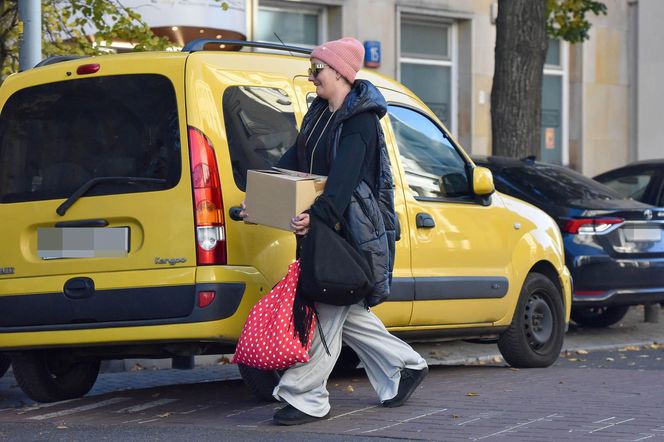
341 138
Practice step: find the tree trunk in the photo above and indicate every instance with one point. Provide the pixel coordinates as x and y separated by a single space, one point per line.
516 95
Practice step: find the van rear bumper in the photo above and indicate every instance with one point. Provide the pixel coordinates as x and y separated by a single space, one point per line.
132 307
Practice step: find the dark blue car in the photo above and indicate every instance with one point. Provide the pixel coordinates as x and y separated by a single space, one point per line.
642 181
614 246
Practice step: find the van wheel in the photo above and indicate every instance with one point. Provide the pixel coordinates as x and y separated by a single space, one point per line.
5 362
51 376
599 316
535 337
261 383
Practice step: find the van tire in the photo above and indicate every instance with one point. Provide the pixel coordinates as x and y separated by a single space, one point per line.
51 375
5 362
535 337
261 383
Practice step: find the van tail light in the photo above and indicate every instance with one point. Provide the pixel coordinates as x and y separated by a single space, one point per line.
208 207
591 226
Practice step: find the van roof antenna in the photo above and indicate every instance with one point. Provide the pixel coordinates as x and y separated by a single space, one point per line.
282 42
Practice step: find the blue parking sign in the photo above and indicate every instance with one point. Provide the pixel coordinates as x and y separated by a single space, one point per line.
372 54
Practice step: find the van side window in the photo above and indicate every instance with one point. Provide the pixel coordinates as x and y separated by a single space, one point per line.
260 126
57 136
433 166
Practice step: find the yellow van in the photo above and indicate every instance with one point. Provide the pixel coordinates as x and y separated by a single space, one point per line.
120 183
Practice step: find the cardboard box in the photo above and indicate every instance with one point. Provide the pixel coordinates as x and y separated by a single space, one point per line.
275 196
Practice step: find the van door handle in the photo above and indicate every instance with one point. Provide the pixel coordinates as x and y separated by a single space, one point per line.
234 213
79 288
424 221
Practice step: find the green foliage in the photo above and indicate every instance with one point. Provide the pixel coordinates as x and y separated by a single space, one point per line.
79 27
567 18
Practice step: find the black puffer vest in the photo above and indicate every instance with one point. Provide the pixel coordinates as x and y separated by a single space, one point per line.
370 214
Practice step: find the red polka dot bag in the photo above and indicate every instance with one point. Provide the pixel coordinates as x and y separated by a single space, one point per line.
268 340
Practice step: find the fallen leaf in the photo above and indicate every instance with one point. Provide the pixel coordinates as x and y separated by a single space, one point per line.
455 416
572 359
223 360
62 427
137 367
471 394
497 359
336 385
164 414
582 352
561 382
610 359
630 348
514 369
350 389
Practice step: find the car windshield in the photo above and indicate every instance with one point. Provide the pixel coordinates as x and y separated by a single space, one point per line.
558 185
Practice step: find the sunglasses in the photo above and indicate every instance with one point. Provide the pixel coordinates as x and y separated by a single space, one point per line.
316 69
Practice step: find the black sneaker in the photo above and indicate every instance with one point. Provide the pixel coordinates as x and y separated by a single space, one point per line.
290 415
410 379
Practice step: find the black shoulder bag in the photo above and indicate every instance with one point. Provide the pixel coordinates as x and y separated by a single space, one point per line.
333 268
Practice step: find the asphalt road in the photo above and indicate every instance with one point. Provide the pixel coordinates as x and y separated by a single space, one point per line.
608 388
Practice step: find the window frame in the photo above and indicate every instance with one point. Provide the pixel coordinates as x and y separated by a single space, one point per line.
433 16
303 8
562 70
470 198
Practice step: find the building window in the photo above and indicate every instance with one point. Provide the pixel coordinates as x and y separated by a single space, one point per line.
299 24
554 105
427 63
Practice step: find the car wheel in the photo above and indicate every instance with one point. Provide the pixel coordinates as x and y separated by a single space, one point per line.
535 337
5 362
599 316
261 383
51 376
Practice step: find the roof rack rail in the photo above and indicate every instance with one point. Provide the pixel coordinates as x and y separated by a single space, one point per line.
59 59
199 45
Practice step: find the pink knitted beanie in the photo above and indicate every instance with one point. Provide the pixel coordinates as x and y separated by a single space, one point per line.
344 56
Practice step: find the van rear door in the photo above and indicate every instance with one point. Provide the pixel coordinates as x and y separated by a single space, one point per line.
92 189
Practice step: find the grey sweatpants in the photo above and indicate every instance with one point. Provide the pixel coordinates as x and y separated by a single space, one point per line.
384 356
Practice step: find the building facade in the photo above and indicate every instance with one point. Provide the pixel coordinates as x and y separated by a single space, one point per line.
599 98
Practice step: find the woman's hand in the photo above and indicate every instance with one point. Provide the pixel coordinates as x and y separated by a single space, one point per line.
243 213
300 224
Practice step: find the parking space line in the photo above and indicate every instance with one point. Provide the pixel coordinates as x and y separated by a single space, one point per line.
404 421
514 427
352 412
141 407
82 408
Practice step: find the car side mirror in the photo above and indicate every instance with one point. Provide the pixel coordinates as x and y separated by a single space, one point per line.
483 182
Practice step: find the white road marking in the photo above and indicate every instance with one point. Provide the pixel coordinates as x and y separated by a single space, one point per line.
238 412
611 425
637 440
517 426
604 420
145 406
39 406
472 420
149 420
352 412
69 411
404 421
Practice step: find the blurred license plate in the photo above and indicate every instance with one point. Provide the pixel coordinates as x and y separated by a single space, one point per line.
82 242
635 234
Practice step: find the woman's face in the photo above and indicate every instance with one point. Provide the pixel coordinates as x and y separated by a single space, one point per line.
324 78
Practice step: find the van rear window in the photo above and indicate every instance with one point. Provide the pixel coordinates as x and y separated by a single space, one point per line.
56 137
